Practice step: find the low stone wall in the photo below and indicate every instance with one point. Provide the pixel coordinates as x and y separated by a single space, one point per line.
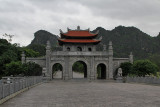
11 85
147 80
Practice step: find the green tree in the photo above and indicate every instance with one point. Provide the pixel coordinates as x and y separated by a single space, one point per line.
32 69
38 48
144 67
155 59
30 52
126 68
78 67
13 68
10 55
57 67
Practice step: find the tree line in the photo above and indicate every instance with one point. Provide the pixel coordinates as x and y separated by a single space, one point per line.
140 68
10 60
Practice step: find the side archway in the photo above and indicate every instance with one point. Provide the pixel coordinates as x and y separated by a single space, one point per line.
101 71
79 69
57 71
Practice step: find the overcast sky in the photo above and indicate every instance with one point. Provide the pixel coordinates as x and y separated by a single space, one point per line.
23 18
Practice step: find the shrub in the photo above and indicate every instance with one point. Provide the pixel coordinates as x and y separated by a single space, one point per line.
13 68
32 69
144 67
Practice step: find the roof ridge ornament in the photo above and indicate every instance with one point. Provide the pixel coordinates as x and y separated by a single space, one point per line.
68 29
60 31
88 29
78 27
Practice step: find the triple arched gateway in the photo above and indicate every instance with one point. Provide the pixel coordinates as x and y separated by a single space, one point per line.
80 46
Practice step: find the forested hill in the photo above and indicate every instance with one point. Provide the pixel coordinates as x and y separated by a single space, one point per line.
125 40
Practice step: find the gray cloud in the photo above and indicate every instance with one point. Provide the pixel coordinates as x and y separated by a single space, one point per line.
24 17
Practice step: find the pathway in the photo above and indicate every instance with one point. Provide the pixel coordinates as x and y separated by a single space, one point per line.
87 94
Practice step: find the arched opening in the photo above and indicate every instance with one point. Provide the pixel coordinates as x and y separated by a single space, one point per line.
101 71
68 48
79 49
79 69
57 71
89 49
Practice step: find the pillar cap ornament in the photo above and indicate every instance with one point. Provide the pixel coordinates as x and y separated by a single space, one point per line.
23 54
110 45
48 47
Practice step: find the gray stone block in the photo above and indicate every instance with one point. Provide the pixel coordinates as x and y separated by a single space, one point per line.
6 90
11 88
1 91
119 80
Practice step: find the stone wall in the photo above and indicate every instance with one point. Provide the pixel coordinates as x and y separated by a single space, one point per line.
15 84
148 80
40 61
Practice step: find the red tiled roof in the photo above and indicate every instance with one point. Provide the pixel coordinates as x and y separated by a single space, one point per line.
79 33
79 40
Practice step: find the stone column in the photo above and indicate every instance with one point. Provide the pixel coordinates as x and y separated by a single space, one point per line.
48 60
110 54
23 59
64 48
92 72
66 68
94 48
131 58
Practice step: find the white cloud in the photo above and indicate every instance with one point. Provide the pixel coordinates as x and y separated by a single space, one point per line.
23 18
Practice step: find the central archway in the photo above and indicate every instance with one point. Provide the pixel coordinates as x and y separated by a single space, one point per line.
79 69
101 71
57 71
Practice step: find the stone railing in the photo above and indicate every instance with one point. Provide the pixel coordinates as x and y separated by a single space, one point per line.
11 85
147 80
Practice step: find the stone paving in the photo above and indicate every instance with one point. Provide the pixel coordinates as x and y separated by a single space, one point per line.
75 93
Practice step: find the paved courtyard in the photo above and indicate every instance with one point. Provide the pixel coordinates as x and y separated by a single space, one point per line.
79 93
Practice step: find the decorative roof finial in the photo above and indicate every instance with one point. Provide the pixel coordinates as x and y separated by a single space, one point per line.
89 29
110 45
68 29
60 31
78 27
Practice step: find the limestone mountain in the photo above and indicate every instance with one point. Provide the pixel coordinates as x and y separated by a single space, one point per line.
130 39
42 36
125 40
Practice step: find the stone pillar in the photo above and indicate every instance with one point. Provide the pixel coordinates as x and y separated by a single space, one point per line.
110 54
93 48
92 70
131 58
66 68
64 48
48 60
23 59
